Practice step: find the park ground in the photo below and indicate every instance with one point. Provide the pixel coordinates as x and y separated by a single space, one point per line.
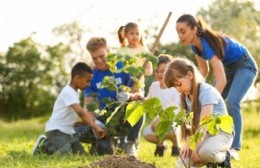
18 137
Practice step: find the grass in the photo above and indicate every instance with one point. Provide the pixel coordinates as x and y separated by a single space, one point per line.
17 140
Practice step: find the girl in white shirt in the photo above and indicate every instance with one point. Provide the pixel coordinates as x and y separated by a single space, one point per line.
168 97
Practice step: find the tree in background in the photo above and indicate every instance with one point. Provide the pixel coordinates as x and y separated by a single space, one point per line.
30 79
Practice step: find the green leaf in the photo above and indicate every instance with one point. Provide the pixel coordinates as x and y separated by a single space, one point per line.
92 106
180 117
152 107
114 112
163 128
134 111
168 113
226 123
192 142
206 120
212 127
109 82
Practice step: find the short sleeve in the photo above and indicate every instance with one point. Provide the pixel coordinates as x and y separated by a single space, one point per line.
207 51
207 96
69 97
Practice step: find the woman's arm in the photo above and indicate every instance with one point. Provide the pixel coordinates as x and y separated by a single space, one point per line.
219 73
203 66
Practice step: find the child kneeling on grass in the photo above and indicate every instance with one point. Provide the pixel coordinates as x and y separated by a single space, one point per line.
59 129
168 97
204 100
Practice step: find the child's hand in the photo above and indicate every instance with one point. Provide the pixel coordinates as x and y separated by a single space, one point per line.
99 132
185 151
136 96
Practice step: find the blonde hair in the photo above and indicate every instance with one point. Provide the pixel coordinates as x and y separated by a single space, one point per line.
123 30
179 68
96 43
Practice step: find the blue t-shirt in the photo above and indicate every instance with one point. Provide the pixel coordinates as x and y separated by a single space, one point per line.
95 86
208 95
233 50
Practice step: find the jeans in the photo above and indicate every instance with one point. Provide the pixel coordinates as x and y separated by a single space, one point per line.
240 77
62 143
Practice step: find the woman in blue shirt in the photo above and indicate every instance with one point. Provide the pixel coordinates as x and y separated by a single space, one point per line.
233 66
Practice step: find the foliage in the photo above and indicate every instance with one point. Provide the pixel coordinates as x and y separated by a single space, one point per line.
31 78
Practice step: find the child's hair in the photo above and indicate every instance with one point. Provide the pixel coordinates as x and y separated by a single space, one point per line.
214 38
123 30
96 43
177 69
164 59
80 69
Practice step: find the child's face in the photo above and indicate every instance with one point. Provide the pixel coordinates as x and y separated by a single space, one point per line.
84 81
184 85
133 36
99 58
159 72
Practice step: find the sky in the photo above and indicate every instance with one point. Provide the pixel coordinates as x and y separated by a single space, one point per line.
20 18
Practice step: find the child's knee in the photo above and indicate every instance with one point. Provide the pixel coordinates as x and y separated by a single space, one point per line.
206 154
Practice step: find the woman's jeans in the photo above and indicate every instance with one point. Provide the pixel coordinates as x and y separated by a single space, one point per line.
240 77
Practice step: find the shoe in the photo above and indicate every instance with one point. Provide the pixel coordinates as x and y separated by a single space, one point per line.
131 149
227 162
160 150
234 154
38 147
175 151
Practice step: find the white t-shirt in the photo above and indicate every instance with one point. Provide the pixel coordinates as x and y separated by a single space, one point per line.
63 115
168 97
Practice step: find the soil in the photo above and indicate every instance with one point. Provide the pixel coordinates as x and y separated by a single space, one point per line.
115 161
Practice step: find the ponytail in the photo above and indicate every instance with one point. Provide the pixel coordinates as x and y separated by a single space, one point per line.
214 38
121 36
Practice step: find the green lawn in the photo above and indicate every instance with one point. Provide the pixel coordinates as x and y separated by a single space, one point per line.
17 140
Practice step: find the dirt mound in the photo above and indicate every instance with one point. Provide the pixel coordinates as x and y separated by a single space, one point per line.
115 161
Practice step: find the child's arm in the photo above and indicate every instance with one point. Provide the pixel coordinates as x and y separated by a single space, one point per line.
148 68
88 119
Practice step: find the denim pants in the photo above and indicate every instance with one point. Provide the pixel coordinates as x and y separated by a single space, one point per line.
240 77
62 143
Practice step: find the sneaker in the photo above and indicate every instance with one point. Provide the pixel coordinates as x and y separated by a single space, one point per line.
175 151
234 154
131 149
38 147
227 162
160 150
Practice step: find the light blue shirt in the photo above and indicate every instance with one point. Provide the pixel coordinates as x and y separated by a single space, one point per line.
208 95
